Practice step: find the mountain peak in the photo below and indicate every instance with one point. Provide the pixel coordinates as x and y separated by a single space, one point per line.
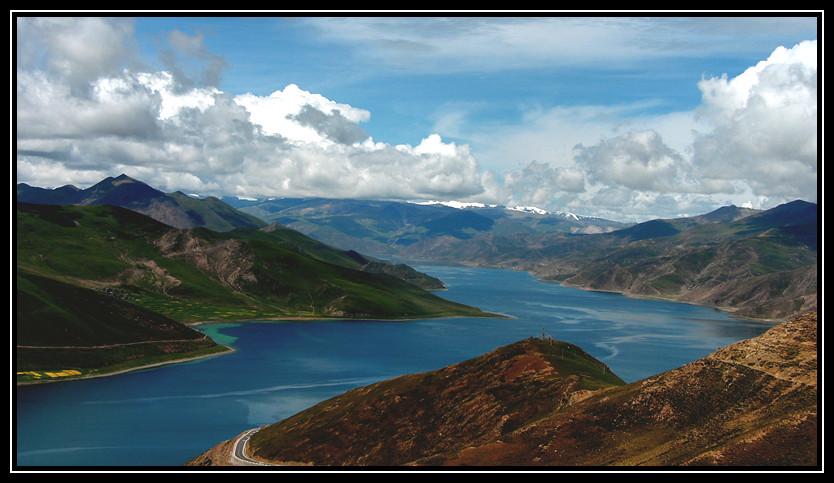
176 210
726 214
793 213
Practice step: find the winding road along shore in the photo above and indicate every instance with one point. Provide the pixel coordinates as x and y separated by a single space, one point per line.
238 454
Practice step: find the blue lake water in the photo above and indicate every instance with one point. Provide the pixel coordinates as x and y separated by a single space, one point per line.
166 416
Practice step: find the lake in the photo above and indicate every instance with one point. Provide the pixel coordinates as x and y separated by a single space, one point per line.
168 415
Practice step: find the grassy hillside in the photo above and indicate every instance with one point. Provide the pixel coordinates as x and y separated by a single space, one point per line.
101 275
193 274
60 327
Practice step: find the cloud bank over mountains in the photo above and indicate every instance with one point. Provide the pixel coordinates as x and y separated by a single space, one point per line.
86 113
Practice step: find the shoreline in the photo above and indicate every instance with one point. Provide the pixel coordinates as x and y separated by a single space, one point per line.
231 349
731 311
489 315
132 369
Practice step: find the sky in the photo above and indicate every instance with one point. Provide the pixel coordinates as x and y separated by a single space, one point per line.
624 117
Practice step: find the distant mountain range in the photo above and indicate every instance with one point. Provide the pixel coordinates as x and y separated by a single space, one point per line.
395 228
760 264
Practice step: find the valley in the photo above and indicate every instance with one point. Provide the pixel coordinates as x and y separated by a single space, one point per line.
105 288
758 264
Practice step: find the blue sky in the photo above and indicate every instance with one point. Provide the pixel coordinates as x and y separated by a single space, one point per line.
624 117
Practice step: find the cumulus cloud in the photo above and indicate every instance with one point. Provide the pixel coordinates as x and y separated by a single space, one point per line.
637 160
752 142
765 125
303 116
537 184
190 63
333 126
170 131
76 50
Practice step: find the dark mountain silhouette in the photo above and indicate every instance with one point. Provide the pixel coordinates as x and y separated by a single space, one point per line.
175 209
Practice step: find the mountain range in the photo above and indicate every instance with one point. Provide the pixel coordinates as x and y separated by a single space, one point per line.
174 209
397 228
187 258
108 277
758 263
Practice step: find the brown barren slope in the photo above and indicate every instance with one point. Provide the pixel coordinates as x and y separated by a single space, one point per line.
541 402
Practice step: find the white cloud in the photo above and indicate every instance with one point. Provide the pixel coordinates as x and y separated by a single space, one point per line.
79 50
637 160
114 106
172 100
536 184
485 44
752 141
275 113
764 125
190 63
199 139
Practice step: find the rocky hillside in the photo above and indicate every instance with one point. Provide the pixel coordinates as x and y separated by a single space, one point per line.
542 402
760 264
198 274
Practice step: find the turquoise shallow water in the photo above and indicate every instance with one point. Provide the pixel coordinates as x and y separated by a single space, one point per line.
168 415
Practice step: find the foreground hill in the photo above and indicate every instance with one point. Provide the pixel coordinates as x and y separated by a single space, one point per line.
174 209
101 275
542 402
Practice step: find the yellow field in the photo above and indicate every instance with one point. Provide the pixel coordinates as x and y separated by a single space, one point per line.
40 374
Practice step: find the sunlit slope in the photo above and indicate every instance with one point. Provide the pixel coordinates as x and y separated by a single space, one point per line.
198 274
540 402
760 264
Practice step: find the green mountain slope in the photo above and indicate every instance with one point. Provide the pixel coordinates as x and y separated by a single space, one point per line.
244 272
61 326
86 273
